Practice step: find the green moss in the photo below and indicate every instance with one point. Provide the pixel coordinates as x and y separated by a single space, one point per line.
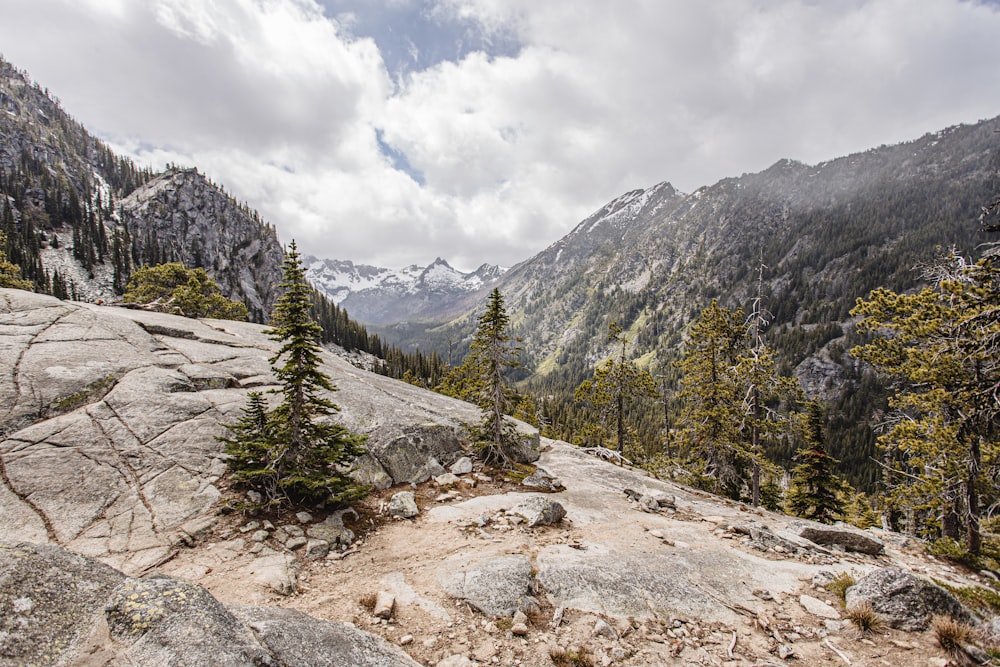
983 600
95 390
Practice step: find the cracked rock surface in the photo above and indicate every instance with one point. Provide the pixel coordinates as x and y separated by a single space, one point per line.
109 419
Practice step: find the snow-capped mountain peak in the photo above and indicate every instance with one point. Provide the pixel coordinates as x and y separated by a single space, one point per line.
376 295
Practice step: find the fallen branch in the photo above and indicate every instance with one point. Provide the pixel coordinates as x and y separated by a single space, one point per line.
836 650
607 454
732 645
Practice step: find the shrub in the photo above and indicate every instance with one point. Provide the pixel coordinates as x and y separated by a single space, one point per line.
840 584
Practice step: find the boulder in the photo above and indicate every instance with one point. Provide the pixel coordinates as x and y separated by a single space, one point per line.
165 621
528 445
463 466
403 505
296 639
447 479
384 604
316 549
539 511
764 539
60 608
542 479
415 455
850 539
495 586
332 529
48 601
905 601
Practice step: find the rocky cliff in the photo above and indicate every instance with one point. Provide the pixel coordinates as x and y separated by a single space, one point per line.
109 457
79 218
192 221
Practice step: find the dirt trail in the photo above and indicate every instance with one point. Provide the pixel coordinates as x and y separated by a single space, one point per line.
714 600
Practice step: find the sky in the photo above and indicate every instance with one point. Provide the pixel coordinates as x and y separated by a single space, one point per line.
392 132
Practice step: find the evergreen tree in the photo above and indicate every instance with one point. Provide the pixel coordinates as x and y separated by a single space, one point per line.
712 413
862 514
616 385
248 446
815 491
938 345
298 455
492 355
10 274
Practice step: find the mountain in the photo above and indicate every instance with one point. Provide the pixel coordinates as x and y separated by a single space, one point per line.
78 218
375 295
824 234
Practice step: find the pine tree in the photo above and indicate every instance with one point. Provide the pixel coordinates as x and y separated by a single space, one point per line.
614 388
298 455
938 345
10 274
248 446
712 413
815 491
492 355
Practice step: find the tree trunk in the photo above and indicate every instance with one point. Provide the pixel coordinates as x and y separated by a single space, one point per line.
973 540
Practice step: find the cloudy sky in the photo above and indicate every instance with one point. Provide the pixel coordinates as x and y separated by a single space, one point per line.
395 131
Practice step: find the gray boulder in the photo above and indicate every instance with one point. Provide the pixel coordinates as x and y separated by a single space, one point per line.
332 529
539 511
496 586
48 599
54 606
905 601
850 539
764 539
528 445
165 621
294 638
403 505
463 466
415 455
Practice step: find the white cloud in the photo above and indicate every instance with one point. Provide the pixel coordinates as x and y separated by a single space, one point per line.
280 101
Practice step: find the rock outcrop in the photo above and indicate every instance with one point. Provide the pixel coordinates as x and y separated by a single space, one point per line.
847 538
201 226
110 418
58 608
905 601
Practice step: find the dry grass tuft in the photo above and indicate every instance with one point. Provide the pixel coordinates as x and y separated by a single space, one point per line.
865 618
952 635
368 601
571 657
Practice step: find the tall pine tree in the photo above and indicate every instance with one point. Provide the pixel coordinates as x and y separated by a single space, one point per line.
493 354
939 347
304 456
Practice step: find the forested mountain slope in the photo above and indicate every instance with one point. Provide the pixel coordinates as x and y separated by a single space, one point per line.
824 234
78 217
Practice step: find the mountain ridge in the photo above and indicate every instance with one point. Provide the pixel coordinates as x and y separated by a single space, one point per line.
377 295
